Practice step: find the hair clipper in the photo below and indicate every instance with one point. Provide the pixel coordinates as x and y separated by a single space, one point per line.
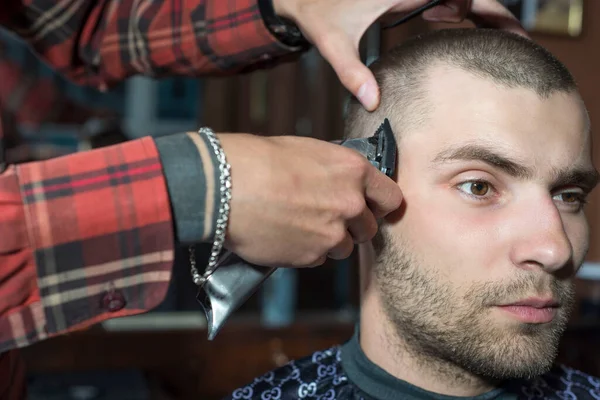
234 280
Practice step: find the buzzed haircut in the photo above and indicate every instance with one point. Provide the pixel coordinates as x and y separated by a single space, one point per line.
505 58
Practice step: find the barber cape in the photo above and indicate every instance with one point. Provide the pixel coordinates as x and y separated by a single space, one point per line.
345 373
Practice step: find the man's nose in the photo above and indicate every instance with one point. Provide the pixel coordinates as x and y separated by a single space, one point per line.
541 241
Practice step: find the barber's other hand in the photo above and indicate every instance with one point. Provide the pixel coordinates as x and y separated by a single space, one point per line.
335 27
296 200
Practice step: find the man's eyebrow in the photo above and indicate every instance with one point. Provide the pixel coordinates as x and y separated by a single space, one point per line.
486 154
586 178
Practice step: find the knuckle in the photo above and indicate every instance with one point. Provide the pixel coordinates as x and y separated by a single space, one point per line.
356 166
358 162
354 205
337 236
314 259
320 261
311 259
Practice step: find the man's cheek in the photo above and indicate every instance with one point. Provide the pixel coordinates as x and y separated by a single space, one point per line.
438 233
440 223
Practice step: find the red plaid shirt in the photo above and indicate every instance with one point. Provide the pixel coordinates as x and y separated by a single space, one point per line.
90 236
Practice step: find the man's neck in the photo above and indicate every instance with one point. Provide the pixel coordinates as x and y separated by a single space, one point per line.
385 347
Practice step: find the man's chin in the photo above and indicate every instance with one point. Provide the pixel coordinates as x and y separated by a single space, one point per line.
503 373
514 350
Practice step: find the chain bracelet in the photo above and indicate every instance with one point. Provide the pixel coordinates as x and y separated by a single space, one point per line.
223 216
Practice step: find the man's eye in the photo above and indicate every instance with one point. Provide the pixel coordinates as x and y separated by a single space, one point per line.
475 188
571 198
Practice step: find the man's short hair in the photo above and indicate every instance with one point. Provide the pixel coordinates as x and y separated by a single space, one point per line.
505 58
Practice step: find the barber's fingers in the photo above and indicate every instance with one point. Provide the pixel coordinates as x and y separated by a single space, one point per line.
492 14
319 262
343 250
449 11
343 56
383 194
483 13
363 227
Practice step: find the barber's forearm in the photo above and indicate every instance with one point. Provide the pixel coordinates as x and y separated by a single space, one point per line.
86 237
91 236
102 43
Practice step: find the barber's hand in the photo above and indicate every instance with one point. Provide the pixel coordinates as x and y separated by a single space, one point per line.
296 200
335 27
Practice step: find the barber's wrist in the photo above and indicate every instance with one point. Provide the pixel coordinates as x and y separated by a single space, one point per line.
277 19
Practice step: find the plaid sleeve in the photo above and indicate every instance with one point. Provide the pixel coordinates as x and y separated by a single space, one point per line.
85 237
34 100
102 42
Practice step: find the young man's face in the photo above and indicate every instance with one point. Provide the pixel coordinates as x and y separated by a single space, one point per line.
479 265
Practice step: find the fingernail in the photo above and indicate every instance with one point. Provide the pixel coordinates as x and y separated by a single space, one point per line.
367 95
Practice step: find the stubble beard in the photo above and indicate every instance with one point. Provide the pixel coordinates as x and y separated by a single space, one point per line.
453 336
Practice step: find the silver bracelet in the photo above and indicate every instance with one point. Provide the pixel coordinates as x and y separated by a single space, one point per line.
223 217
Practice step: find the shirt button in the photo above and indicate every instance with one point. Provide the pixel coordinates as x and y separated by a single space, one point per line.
113 301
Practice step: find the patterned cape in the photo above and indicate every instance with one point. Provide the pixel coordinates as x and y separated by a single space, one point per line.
321 376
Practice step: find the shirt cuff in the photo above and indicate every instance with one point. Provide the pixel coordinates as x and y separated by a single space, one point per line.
192 175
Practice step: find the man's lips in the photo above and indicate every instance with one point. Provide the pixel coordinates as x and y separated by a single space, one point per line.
534 310
535 302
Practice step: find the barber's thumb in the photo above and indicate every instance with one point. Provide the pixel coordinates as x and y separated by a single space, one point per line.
353 74
368 92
